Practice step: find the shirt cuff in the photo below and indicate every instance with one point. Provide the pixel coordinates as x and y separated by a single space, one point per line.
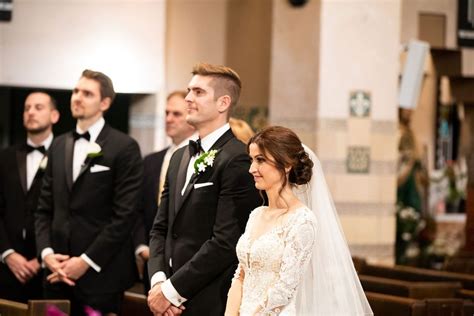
139 249
45 252
91 263
171 294
6 253
158 277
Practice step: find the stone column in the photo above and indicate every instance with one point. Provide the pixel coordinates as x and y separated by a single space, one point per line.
334 80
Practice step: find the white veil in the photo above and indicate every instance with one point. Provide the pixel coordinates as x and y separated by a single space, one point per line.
330 286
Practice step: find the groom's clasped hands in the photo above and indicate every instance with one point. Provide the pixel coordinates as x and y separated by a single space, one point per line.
159 305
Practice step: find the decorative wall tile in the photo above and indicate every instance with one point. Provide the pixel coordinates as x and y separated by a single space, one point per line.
360 103
358 159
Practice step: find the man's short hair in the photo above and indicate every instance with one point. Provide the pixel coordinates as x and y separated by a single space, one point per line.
180 93
52 101
225 80
106 85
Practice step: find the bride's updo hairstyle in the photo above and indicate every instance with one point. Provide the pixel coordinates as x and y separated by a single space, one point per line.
285 147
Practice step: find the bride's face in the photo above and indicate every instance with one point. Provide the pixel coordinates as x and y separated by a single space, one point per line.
263 170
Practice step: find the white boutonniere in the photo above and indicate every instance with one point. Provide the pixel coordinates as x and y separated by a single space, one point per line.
204 161
43 163
94 150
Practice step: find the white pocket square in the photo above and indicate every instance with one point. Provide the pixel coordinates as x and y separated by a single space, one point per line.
99 168
204 184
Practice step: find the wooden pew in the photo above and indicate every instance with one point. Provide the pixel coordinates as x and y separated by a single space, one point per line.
38 307
135 304
417 275
466 294
10 308
390 305
419 290
33 308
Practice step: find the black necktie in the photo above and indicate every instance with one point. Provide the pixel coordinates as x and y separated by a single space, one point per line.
30 149
195 147
86 136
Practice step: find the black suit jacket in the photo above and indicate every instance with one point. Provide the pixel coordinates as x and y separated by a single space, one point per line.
199 231
17 207
149 204
17 203
94 215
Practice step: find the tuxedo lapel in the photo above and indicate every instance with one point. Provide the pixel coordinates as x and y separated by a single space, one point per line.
21 163
68 154
101 139
183 168
223 139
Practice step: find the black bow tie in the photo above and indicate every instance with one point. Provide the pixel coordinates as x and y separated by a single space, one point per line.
77 136
30 149
194 147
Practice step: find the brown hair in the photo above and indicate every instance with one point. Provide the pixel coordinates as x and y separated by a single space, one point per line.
225 80
52 101
106 85
180 93
287 151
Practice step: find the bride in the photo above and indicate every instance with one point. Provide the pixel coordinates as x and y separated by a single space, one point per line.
293 258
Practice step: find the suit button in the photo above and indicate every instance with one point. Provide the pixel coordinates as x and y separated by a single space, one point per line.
175 236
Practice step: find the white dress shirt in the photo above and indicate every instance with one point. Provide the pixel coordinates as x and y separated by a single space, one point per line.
167 287
81 147
33 161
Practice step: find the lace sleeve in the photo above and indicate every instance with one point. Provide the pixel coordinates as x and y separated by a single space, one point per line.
296 256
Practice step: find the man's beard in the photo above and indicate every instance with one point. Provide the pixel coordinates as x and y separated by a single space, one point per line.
37 130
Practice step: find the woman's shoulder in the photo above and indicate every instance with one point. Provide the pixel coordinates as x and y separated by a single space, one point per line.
256 211
304 214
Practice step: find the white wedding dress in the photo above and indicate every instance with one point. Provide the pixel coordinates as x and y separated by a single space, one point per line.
274 263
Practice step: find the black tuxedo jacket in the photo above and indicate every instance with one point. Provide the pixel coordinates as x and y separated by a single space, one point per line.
17 203
94 215
149 204
199 231
17 207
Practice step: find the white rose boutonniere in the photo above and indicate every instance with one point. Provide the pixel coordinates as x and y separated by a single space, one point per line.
94 150
43 163
204 161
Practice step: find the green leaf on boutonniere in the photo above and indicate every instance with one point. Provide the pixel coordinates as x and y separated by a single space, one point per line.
94 150
204 161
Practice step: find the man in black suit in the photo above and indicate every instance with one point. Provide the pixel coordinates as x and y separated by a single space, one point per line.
21 171
206 201
155 166
88 205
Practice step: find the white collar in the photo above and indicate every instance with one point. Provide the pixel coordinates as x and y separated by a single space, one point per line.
94 130
208 141
46 143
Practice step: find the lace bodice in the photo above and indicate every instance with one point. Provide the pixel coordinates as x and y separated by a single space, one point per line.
274 263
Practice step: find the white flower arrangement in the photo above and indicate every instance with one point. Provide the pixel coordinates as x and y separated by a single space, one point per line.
94 150
204 161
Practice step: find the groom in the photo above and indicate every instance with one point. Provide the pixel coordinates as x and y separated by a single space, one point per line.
205 204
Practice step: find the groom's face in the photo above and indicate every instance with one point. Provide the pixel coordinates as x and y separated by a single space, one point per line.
201 101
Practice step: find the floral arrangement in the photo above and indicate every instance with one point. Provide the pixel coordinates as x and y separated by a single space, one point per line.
204 161
415 233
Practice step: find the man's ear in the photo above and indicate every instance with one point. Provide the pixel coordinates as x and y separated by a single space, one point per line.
54 116
223 103
105 104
